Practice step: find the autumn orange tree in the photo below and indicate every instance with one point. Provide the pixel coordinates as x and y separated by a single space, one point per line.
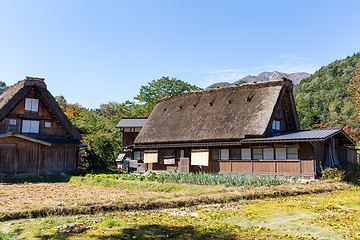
354 89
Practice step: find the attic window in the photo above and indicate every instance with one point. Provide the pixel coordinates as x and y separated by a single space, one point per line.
210 103
31 104
276 125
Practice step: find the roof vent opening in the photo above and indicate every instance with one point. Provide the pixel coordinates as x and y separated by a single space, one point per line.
164 109
180 107
249 98
210 103
229 101
194 105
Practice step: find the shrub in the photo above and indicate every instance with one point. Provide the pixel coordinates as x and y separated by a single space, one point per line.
334 173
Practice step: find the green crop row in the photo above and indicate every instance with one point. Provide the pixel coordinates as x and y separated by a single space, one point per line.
202 178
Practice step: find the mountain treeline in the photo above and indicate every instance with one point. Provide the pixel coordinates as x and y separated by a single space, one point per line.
325 97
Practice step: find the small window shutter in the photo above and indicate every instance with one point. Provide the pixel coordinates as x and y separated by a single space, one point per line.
151 156
280 153
47 124
12 122
224 154
200 157
246 154
268 153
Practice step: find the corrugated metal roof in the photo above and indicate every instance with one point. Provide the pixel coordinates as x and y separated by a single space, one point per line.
131 122
301 135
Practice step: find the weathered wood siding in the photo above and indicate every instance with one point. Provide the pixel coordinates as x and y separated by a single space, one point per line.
305 166
19 156
53 131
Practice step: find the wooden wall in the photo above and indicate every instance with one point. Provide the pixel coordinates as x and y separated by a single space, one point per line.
53 131
19 156
304 166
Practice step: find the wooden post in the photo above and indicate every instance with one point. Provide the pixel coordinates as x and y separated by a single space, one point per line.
16 158
275 166
39 159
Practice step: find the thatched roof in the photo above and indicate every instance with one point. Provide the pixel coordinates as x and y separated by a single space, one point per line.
14 95
220 114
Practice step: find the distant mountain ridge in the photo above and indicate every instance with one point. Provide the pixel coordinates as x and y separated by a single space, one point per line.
267 76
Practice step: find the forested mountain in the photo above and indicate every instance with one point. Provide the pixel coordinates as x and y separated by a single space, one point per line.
3 87
325 97
275 75
266 76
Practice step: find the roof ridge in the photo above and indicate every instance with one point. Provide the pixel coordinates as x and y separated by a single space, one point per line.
283 82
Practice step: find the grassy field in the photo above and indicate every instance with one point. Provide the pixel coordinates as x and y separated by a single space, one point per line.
101 208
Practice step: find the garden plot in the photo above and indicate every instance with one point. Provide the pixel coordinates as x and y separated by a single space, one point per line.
33 195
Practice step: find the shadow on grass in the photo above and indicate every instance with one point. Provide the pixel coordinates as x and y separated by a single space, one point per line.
151 231
35 179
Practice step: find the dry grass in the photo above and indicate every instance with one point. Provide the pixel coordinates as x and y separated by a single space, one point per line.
34 195
44 199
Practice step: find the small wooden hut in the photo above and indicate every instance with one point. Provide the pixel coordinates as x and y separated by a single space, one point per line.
249 128
36 137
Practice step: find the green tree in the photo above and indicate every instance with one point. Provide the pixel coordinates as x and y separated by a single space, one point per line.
326 93
3 87
101 155
161 88
354 89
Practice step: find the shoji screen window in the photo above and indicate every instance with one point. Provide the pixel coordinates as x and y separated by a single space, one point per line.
292 153
30 126
257 153
31 104
245 154
268 153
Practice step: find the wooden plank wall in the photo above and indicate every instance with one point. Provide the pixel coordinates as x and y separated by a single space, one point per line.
53 131
19 156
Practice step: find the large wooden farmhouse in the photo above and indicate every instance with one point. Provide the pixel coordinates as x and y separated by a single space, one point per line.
36 137
249 128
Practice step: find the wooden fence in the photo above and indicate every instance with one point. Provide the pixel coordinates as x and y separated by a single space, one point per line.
301 168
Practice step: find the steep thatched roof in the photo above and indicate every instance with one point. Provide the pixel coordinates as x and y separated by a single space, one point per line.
220 114
13 95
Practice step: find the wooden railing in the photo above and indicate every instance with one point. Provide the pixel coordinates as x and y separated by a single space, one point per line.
302 168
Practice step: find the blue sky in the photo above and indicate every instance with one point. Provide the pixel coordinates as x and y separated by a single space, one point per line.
94 52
